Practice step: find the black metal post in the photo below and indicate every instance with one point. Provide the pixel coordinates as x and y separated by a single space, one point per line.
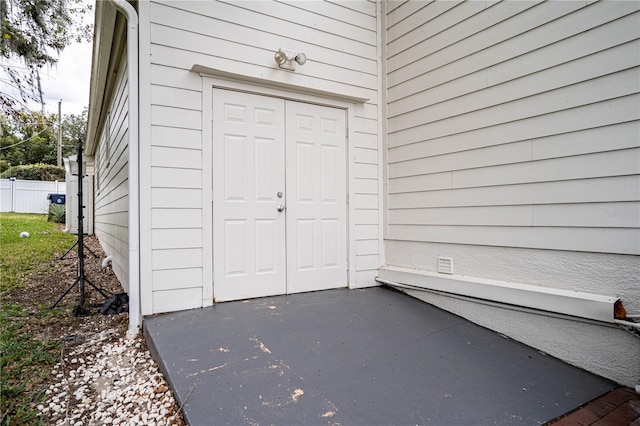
80 227
80 281
80 240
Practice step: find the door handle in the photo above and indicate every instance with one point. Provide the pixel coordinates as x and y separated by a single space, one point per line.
280 208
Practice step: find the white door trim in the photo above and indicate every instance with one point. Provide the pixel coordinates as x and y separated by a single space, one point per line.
208 84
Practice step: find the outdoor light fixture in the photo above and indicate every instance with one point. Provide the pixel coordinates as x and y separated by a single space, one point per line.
301 58
74 166
285 59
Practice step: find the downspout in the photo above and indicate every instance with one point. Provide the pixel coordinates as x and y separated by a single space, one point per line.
134 167
635 325
395 284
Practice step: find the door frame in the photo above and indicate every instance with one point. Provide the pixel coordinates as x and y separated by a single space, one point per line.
284 92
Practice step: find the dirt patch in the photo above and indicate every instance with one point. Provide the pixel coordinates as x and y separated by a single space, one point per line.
41 292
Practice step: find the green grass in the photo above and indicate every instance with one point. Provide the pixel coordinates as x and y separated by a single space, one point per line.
25 361
20 257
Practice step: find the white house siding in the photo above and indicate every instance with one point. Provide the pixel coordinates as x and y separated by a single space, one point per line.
111 180
513 147
340 41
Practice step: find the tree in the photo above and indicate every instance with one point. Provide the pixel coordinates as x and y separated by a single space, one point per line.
33 33
8 140
36 141
32 138
74 127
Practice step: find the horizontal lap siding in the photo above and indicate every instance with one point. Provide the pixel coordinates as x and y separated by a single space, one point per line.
367 215
339 39
111 218
515 124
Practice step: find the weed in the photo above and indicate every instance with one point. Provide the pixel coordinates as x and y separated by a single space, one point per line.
25 360
25 363
57 213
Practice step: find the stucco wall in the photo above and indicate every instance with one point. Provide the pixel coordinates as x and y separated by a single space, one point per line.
598 273
606 350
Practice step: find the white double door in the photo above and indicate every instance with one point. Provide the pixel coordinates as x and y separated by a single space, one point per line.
279 196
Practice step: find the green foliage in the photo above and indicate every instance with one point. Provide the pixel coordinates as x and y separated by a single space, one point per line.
33 32
28 140
74 127
57 213
33 138
25 359
20 257
24 362
35 172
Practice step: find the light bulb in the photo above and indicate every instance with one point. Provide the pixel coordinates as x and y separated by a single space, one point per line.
280 57
301 58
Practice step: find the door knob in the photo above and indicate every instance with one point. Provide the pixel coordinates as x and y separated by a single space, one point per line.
280 208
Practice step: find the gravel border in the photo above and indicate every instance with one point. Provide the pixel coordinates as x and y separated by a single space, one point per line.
104 379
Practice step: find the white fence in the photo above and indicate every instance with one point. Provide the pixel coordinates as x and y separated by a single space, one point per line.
27 196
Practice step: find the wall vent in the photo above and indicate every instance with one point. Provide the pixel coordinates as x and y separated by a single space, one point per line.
445 265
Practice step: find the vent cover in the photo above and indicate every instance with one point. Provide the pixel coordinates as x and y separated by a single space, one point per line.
445 265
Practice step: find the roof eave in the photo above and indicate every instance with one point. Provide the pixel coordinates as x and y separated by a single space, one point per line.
105 18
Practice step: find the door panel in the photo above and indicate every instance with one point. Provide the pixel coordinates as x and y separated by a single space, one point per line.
262 147
316 214
248 172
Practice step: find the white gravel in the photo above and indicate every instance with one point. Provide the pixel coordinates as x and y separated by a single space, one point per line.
106 380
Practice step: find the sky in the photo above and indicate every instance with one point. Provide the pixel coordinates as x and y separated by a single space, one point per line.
67 81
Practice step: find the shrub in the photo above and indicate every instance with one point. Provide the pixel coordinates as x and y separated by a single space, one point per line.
45 172
57 213
4 165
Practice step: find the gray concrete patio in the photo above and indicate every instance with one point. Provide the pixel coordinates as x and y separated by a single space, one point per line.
372 356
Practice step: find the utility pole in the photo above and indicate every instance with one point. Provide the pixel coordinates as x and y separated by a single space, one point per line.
60 133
